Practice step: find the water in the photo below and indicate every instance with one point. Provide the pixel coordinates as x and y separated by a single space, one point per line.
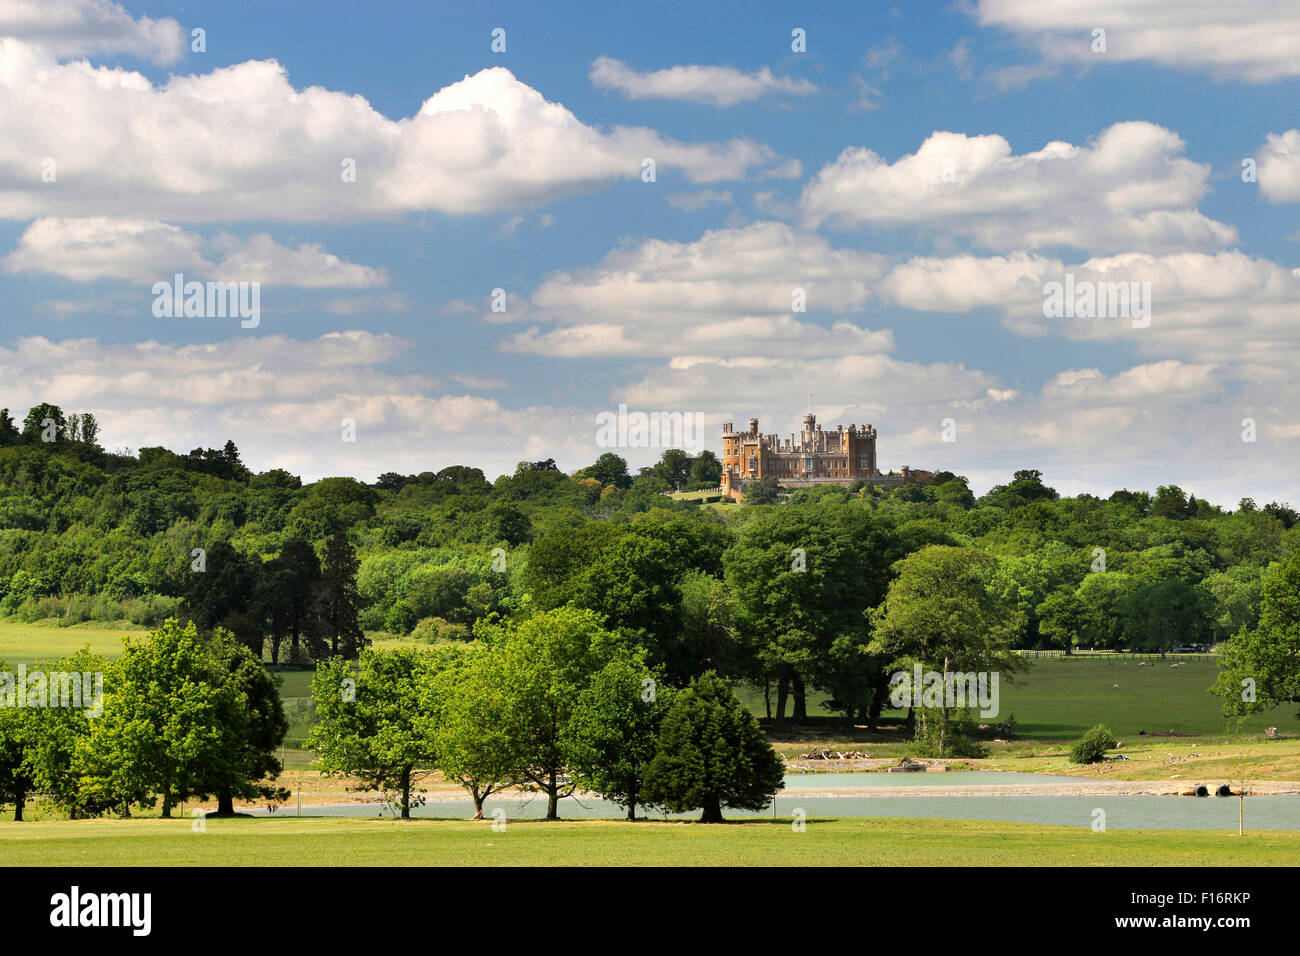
1122 812
957 778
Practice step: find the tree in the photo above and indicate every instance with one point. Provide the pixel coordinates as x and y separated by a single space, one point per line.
1171 502
1063 619
542 665
943 613
17 739
611 737
34 425
706 470
287 589
50 738
763 491
256 727
166 728
89 431
223 595
339 602
803 577
711 754
372 724
1259 669
332 505
609 469
674 467
470 735
9 434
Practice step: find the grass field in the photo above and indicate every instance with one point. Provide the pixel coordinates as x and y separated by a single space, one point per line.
25 643
1059 699
1055 701
835 842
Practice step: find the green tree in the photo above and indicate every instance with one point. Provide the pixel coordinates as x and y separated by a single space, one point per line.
609 469
763 491
611 737
339 602
706 470
1259 669
471 736
943 612
711 754
34 425
17 741
371 722
542 664
256 727
166 727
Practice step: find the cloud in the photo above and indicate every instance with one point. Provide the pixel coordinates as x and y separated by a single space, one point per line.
733 291
1225 307
1256 42
714 85
91 27
242 143
1278 169
283 401
1131 187
146 250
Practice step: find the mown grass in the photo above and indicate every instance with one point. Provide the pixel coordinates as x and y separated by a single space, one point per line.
1059 699
828 842
22 643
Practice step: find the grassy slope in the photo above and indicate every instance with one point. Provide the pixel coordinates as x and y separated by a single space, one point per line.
24 643
839 842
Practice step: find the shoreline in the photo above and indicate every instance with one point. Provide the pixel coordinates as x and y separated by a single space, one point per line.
1071 788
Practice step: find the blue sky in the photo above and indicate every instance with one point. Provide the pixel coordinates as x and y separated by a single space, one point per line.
923 250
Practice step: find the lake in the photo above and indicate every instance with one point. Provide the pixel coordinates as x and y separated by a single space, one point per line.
1122 812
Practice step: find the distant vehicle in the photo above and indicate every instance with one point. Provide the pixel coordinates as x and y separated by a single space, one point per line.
1191 649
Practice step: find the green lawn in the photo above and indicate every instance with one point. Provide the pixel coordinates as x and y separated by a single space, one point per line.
1059 699
833 842
25 643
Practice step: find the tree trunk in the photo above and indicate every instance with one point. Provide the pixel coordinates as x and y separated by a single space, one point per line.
276 639
712 810
20 801
943 725
167 805
478 804
553 798
767 698
293 645
631 805
225 804
406 794
800 700
782 692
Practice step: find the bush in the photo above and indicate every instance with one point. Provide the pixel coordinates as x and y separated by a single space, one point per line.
1093 746
401 618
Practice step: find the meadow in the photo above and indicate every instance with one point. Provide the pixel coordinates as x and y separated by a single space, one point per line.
833 842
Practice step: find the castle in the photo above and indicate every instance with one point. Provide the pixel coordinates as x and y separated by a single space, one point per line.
813 457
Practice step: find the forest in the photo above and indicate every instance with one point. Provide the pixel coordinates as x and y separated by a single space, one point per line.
778 594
